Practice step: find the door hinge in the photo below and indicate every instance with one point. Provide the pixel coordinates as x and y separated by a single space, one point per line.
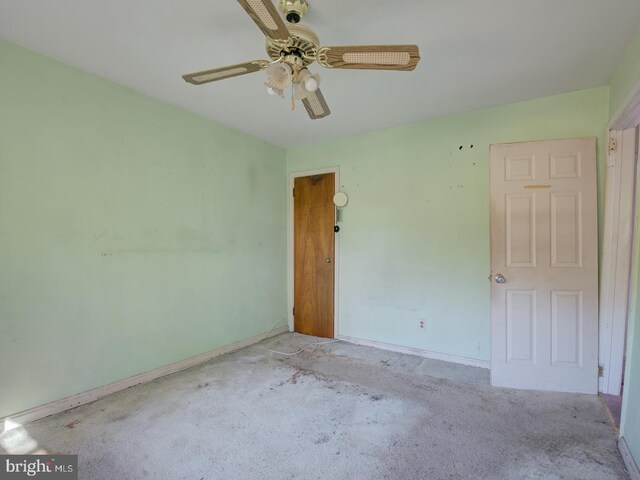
613 144
600 370
294 191
294 311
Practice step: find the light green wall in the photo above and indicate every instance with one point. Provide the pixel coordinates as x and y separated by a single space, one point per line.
625 77
132 233
414 242
622 82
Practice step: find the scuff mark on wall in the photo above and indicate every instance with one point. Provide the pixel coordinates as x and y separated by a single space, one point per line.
99 237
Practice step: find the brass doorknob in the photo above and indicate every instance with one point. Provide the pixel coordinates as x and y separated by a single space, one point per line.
328 260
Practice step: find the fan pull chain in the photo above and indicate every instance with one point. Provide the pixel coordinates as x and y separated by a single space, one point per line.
293 103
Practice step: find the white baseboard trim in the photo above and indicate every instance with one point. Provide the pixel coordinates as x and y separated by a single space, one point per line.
417 351
78 399
632 466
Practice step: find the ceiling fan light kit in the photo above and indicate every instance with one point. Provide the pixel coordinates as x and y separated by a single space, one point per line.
294 47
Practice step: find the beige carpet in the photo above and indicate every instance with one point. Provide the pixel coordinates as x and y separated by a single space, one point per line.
336 411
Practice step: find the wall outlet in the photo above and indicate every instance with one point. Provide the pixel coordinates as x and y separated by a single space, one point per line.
422 324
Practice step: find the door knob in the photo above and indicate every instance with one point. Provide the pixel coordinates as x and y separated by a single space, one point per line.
499 278
328 260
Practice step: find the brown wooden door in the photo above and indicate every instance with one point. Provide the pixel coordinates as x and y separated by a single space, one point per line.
314 248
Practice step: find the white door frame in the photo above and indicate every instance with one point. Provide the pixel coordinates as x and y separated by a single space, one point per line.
290 256
618 233
616 256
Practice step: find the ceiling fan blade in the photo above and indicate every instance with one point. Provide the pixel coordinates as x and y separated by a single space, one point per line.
207 76
371 57
316 105
267 18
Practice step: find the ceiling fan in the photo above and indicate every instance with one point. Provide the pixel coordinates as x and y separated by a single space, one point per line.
293 48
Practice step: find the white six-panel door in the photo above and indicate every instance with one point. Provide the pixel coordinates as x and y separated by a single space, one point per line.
544 266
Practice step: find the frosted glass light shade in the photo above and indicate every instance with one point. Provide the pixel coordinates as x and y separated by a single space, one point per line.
279 76
307 84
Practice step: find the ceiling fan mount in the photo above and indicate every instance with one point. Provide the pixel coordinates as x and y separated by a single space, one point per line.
294 10
293 47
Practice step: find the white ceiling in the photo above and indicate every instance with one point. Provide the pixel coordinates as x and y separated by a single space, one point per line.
475 54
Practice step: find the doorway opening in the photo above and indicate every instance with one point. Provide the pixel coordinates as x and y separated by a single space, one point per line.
618 235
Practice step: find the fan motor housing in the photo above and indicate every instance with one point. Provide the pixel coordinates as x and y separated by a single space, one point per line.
305 44
294 10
